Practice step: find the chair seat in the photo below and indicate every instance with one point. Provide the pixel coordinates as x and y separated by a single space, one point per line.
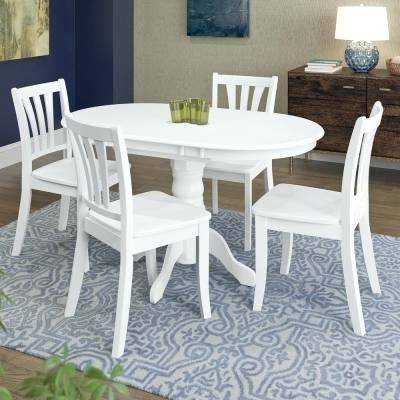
237 167
154 212
300 204
63 172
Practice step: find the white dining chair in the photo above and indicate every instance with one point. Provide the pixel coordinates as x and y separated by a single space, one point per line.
251 93
131 225
325 213
34 107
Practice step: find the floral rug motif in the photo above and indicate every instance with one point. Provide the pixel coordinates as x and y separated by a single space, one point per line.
301 346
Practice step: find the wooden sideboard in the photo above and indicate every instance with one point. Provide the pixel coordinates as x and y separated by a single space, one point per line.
335 101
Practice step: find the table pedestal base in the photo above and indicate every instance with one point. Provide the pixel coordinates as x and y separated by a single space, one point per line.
188 186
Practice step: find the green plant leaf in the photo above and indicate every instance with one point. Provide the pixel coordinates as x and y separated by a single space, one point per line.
37 392
52 362
31 382
110 394
3 327
95 373
5 394
98 393
65 352
117 371
70 370
92 385
120 388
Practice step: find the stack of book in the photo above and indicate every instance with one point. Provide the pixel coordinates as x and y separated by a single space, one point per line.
324 66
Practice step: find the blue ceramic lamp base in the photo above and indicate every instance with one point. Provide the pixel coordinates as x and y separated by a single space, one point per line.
361 56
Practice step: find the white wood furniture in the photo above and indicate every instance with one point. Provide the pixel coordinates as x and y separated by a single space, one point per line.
324 213
131 225
147 130
35 115
242 171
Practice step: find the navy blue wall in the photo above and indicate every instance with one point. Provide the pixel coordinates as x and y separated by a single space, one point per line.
123 51
60 64
94 52
104 52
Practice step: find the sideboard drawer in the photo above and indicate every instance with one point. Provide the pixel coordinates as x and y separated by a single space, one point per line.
385 90
386 144
327 87
327 113
336 138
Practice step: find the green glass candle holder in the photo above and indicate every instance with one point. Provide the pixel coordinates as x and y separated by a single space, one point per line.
194 111
179 111
199 111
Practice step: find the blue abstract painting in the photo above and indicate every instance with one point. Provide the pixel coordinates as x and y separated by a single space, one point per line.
223 18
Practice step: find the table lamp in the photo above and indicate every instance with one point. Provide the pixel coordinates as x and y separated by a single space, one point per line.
361 25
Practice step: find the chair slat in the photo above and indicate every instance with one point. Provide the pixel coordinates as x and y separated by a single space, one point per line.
40 117
48 101
93 170
32 123
102 166
244 97
258 92
86 167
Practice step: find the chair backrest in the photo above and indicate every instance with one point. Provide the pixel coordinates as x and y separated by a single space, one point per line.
90 144
245 83
356 170
34 107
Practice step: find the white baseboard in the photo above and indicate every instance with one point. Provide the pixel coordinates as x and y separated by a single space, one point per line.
10 154
339 158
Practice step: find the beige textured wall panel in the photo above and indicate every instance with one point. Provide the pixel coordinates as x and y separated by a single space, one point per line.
283 34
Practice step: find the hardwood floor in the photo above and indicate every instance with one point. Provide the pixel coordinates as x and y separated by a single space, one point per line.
154 174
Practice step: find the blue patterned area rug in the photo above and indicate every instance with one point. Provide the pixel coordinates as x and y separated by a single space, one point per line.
301 346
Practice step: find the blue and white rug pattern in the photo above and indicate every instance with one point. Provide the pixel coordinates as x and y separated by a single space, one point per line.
301 346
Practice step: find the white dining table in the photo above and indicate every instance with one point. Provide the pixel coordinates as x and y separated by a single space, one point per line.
230 135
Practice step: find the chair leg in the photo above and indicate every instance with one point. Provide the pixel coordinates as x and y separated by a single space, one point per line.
79 267
369 256
123 304
287 245
215 196
261 262
248 217
351 282
23 216
268 178
151 266
203 255
64 210
80 264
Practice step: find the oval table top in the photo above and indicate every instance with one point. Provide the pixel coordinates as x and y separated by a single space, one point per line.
230 134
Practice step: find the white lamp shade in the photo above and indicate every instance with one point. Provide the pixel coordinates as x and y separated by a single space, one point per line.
362 23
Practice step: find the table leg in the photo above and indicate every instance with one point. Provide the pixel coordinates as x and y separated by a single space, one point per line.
174 251
188 186
219 249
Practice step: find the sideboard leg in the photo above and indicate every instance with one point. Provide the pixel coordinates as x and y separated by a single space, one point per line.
291 165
